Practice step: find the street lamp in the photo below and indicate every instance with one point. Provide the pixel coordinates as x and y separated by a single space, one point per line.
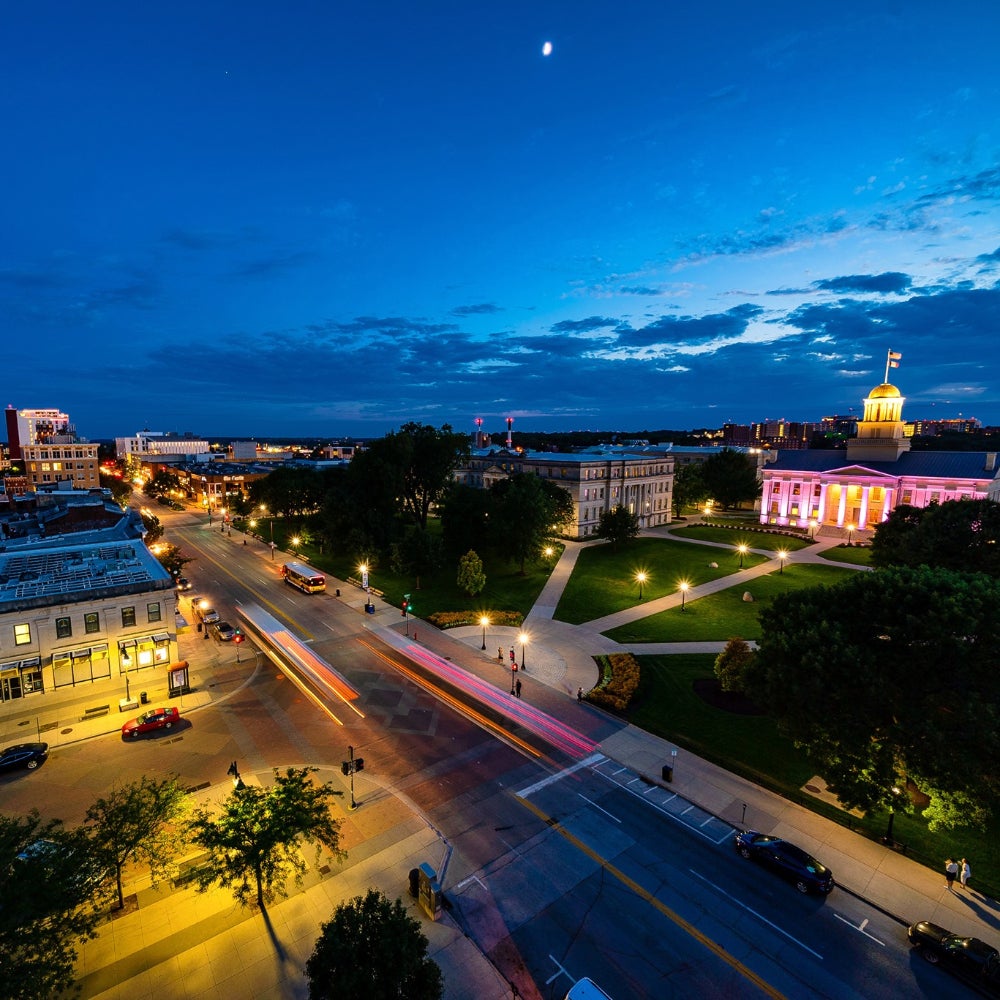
484 621
813 525
640 579
523 639
743 549
892 816
684 589
782 556
850 534
296 542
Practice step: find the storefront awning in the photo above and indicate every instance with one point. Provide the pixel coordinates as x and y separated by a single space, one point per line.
31 661
161 637
81 654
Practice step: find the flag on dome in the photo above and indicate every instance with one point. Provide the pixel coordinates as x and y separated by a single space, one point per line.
894 358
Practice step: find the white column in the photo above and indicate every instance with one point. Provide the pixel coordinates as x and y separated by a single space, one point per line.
842 506
863 516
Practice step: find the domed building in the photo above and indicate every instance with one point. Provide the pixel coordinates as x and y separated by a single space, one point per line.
854 493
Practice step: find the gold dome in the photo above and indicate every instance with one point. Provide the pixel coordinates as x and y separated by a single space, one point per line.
885 391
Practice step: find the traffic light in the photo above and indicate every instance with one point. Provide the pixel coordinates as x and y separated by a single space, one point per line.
345 767
238 637
359 763
407 606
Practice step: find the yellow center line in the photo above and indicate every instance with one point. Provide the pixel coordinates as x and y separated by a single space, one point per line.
644 894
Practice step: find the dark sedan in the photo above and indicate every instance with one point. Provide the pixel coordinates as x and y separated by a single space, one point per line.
785 859
28 755
967 957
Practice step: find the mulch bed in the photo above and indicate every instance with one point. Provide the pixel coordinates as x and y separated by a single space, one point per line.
710 692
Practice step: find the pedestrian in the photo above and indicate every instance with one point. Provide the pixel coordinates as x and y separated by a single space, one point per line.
579 694
964 874
950 874
500 653
517 688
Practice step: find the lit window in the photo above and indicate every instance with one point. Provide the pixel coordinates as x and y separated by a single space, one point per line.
128 617
22 635
64 628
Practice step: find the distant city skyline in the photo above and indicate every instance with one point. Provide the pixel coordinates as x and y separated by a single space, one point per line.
309 222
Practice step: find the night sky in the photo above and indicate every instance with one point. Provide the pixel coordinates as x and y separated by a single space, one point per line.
322 219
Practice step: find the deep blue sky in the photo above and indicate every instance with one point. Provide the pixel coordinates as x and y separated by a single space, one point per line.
317 218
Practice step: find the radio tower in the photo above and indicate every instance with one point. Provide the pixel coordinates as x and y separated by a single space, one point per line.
510 442
479 432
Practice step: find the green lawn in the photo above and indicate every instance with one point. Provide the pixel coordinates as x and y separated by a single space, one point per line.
724 615
858 555
604 581
759 539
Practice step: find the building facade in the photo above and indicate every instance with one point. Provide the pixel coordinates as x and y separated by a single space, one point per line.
851 492
26 427
68 466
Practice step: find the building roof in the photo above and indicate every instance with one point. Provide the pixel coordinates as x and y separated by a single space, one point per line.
928 464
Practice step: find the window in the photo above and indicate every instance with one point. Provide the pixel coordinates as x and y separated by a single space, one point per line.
128 617
153 612
22 635
91 622
64 628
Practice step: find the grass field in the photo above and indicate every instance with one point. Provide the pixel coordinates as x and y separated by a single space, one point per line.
858 555
724 615
732 537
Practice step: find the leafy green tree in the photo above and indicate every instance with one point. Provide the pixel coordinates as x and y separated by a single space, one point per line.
890 674
170 558
689 488
132 823
962 535
730 478
416 553
471 575
527 511
618 526
163 482
372 948
46 884
731 664
254 844
465 518
120 489
154 529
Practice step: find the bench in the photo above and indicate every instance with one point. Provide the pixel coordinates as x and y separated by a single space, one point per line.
97 710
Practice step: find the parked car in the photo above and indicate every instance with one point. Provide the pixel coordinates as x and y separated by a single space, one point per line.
966 957
224 631
176 506
183 583
785 859
27 755
155 718
209 615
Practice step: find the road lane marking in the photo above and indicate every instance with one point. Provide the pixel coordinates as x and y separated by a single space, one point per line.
860 927
596 806
648 897
592 761
732 899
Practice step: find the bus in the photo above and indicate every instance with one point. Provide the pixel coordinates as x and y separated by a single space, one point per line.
304 578
587 989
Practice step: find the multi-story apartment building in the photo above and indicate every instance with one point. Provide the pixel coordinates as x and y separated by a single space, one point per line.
26 427
67 466
146 444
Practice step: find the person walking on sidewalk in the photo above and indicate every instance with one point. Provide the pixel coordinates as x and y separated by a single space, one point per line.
517 688
964 874
500 653
950 874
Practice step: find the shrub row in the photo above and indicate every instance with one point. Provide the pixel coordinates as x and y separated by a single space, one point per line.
788 532
619 681
452 619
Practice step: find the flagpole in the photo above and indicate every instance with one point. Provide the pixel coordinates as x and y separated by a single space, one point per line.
888 359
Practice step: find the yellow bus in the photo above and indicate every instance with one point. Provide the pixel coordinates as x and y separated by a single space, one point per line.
303 578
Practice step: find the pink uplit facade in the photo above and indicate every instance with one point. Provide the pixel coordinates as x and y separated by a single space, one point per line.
854 493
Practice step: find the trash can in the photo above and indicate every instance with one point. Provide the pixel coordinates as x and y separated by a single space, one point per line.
668 772
199 626
338 591
414 882
143 698
370 608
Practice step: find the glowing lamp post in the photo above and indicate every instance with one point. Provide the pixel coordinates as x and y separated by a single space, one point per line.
640 578
813 525
892 816
850 534
683 585
484 621
523 639
782 556
743 549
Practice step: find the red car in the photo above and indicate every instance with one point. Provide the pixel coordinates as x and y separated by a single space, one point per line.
155 718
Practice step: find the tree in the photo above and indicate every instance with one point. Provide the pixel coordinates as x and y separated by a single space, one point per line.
120 489
416 553
618 526
962 535
527 510
465 518
46 883
730 478
132 824
163 482
689 488
471 576
731 663
372 948
170 558
154 529
253 844
890 674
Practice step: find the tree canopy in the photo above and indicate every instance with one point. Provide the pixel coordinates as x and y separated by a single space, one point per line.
689 487
253 844
526 511
730 478
618 526
372 948
963 535
890 674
